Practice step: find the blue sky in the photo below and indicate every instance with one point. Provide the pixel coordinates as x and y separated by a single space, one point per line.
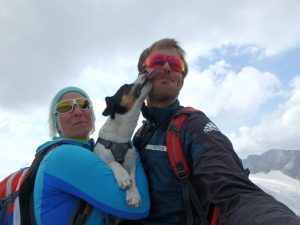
243 61
285 64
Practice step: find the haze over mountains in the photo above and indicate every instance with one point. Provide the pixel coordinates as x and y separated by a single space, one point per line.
277 172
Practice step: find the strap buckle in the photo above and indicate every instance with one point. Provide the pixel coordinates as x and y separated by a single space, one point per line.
2 203
8 199
181 172
172 128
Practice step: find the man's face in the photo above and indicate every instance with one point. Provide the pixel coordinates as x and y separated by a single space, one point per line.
166 87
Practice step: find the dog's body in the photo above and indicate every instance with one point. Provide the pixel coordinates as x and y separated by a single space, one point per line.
115 135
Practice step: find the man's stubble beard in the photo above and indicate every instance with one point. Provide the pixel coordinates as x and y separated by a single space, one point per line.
163 95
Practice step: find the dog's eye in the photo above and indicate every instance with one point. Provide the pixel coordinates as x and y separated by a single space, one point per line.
127 88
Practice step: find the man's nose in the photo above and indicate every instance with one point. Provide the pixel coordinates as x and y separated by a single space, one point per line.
167 68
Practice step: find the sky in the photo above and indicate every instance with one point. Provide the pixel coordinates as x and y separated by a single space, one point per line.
243 57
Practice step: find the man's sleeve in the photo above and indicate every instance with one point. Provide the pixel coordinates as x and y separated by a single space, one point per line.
219 179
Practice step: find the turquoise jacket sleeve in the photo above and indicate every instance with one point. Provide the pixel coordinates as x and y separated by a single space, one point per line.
69 173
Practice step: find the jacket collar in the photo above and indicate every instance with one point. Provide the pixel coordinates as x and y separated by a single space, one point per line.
161 115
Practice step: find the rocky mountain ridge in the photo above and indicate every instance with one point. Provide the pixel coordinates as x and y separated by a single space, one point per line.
286 161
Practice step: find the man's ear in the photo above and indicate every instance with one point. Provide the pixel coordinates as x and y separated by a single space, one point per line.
110 109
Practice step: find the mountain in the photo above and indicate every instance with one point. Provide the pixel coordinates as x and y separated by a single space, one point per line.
277 172
286 161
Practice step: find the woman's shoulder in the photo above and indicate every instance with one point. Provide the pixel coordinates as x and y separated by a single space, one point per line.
65 153
70 151
66 143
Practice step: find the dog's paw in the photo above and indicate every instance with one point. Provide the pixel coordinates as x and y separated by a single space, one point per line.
123 180
133 198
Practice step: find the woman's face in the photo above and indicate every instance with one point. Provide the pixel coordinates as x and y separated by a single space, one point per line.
76 124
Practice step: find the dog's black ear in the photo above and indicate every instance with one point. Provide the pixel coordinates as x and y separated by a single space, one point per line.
110 109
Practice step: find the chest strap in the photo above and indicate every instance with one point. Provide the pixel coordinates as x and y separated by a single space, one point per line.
118 150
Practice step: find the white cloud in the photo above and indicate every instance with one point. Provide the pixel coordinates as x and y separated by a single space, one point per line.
48 43
22 133
229 95
279 129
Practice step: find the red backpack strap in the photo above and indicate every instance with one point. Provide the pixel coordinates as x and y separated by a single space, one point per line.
173 142
215 217
181 168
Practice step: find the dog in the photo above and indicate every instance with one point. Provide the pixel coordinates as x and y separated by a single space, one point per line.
114 145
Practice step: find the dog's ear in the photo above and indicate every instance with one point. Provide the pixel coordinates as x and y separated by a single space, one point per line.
110 109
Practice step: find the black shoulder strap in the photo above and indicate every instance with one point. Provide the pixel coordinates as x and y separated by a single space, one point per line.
26 189
81 213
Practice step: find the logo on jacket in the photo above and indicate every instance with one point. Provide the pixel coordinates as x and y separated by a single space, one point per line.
156 148
210 127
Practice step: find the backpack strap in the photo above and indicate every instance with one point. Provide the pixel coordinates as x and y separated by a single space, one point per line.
26 189
180 166
10 189
173 142
215 217
81 213
26 194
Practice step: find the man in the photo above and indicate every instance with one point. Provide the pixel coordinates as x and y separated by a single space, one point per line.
217 173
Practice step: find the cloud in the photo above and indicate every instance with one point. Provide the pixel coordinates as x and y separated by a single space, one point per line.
229 96
279 129
95 44
45 44
21 132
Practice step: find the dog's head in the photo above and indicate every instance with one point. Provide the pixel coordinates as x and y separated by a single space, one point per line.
129 94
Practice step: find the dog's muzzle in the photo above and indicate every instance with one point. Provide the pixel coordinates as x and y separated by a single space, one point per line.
157 71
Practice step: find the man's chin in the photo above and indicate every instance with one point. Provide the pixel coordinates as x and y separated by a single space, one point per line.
162 95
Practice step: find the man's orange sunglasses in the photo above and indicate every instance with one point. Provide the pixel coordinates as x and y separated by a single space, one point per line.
159 60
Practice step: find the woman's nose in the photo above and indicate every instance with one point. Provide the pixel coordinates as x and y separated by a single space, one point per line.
77 109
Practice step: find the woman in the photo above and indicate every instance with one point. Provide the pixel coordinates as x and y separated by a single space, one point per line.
71 172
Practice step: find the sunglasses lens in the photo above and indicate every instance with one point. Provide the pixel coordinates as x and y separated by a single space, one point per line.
67 106
176 64
83 103
64 106
156 60
159 60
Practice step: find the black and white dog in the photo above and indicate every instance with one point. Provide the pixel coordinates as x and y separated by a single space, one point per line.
114 140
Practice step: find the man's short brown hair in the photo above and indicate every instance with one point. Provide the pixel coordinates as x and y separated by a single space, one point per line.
163 44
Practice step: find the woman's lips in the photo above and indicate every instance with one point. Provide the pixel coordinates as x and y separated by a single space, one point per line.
79 123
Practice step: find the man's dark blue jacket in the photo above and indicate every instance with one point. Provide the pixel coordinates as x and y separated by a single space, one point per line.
217 175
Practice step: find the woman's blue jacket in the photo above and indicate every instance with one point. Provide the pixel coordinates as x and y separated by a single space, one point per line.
70 172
